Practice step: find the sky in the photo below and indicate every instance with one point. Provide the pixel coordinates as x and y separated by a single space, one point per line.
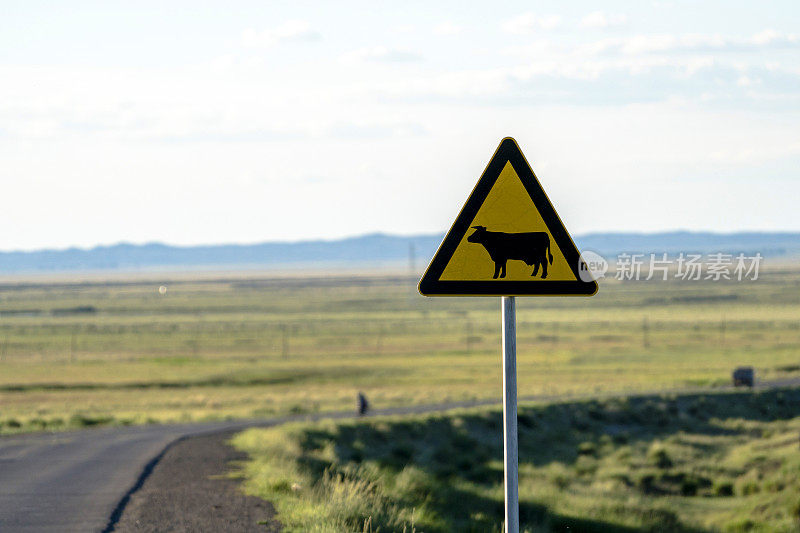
239 122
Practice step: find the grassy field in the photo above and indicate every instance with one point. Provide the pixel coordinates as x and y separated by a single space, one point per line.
84 352
714 462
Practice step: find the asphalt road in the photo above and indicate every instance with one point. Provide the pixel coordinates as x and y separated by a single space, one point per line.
81 480
74 481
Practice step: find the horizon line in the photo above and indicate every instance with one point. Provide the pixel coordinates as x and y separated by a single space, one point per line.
90 248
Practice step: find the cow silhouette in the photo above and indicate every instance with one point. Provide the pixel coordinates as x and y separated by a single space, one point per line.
533 248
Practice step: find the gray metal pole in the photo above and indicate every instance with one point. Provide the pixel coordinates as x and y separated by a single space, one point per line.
510 444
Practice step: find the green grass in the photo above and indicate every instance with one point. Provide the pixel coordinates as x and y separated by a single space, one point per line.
715 462
213 348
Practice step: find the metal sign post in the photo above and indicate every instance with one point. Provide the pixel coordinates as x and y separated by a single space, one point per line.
508 241
510 441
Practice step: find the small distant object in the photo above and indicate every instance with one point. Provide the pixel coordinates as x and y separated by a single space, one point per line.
744 376
363 404
162 290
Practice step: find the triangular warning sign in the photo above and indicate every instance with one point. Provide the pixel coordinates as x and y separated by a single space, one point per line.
507 240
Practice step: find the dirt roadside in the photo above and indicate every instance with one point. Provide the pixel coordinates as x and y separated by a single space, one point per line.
187 490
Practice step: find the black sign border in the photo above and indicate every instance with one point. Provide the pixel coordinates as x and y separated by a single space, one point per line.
431 285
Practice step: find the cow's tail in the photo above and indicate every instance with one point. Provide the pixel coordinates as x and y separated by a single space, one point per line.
549 255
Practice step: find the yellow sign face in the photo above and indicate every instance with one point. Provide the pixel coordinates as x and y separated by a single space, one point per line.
507 240
507 209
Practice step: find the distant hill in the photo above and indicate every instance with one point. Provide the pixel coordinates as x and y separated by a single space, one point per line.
768 244
366 251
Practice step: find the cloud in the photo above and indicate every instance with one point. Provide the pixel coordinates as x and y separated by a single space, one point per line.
606 81
691 43
448 28
291 30
771 37
760 154
598 19
527 23
380 54
405 28
361 131
655 49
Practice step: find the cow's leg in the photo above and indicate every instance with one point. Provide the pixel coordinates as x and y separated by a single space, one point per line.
503 267
535 268
544 268
496 270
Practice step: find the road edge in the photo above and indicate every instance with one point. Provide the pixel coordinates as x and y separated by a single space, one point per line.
116 514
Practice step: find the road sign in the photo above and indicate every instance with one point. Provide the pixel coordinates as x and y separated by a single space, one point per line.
507 240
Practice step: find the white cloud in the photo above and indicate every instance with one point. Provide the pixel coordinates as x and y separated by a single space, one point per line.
372 130
692 42
291 30
448 28
405 28
598 19
380 54
771 37
527 23
540 48
757 154
547 72
745 81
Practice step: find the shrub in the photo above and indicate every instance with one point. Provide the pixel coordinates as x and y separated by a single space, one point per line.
585 465
689 486
659 457
38 422
646 482
281 485
298 409
85 420
723 488
561 480
413 483
740 524
587 448
747 487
